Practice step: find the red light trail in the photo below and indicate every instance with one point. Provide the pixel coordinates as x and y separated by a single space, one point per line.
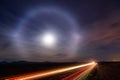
53 72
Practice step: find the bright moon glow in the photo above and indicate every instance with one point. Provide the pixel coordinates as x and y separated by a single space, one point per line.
48 39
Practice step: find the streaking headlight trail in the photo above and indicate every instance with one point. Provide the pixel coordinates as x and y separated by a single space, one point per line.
53 72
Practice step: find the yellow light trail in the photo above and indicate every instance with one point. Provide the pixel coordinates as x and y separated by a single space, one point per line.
84 74
40 75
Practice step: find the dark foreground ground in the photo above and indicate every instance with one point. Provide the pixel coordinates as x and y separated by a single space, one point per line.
103 71
19 68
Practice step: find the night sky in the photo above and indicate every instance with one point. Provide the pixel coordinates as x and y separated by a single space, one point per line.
81 30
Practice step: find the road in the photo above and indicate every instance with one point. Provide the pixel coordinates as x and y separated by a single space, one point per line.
68 73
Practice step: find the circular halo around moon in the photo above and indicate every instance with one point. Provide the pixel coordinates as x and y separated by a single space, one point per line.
54 24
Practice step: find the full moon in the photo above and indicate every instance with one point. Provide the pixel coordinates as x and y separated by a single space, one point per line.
48 39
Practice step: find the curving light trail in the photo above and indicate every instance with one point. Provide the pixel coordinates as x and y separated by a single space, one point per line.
73 75
80 74
44 74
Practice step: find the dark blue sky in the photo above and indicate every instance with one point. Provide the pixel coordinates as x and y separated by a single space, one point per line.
95 22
